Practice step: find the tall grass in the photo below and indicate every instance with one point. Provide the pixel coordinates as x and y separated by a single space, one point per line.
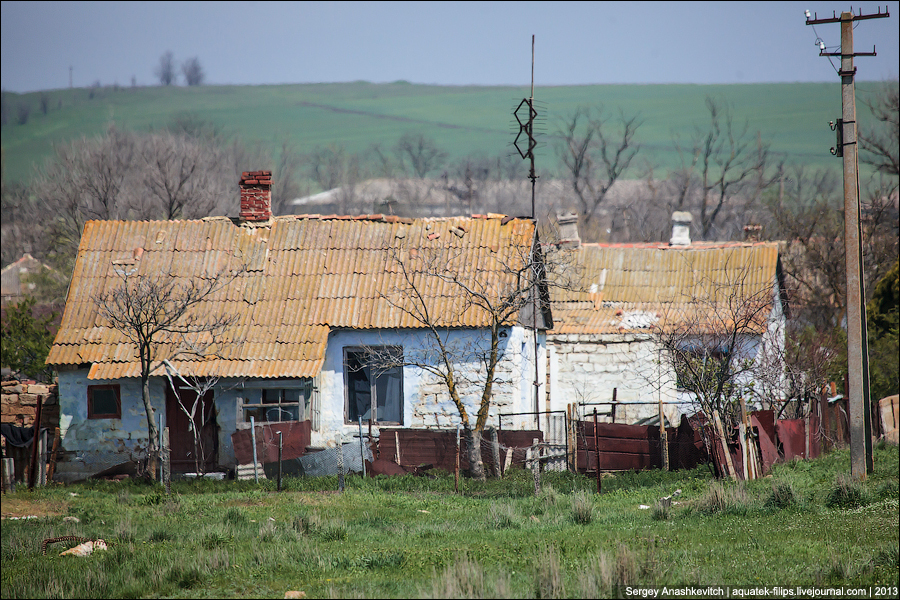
415 537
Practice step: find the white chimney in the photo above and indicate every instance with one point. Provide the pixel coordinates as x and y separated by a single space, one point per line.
568 231
681 229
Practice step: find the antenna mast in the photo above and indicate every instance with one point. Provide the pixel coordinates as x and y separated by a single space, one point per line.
526 126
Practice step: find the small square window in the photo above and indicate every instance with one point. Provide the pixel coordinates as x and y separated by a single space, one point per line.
104 402
272 405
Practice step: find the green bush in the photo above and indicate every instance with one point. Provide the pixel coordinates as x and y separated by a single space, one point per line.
782 495
846 492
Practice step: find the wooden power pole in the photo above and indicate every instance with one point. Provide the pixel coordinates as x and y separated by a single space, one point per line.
861 462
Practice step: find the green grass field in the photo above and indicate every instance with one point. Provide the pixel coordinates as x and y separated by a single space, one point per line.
403 537
464 121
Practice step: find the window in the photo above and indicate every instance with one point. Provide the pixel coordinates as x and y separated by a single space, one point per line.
374 385
104 402
271 404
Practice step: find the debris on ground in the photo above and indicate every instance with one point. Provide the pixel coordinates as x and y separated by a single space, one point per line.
85 549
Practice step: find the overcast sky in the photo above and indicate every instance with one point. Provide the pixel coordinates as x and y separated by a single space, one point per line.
448 43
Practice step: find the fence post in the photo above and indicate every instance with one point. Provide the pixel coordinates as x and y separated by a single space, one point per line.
42 458
159 446
340 459
495 453
597 450
253 440
166 461
456 472
536 465
53 451
663 436
280 444
362 450
32 471
612 410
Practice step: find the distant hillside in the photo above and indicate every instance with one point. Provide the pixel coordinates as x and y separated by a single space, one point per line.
464 121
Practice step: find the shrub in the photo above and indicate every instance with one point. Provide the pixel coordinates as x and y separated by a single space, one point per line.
582 508
660 512
721 499
548 577
465 578
846 492
502 516
782 496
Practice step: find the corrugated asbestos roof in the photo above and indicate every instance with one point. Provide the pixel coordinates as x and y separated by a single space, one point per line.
631 287
303 276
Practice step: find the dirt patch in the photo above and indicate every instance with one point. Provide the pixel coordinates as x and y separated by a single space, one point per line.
22 507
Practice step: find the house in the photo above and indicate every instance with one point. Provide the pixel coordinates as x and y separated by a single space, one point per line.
605 341
317 301
16 286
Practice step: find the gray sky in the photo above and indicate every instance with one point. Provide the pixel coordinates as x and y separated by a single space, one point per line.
448 43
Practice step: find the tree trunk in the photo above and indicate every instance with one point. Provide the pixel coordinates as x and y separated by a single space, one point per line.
152 430
476 466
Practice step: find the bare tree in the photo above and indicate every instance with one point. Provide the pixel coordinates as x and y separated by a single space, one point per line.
165 70
881 144
595 155
466 360
86 180
716 343
179 175
287 171
807 215
419 154
331 167
192 71
197 406
23 111
729 169
164 319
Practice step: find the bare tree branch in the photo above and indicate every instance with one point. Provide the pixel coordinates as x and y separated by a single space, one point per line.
164 319
595 157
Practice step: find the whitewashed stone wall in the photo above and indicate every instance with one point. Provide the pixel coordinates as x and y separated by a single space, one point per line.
587 368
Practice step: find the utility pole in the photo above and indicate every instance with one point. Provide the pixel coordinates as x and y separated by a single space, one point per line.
861 461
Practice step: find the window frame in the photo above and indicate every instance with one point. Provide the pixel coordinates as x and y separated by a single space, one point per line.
306 405
116 389
364 350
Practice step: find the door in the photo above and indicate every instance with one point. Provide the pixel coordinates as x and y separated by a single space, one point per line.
182 449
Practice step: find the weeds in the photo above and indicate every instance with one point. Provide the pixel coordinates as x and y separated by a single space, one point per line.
661 512
548 579
846 492
225 539
719 498
582 508
503 516
465 578
782 496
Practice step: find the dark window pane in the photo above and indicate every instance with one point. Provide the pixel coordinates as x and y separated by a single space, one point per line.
103 402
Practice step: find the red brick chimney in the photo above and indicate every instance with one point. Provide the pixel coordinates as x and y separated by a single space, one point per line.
256 196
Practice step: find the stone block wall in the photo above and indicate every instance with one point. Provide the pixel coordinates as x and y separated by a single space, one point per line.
587 368
19 403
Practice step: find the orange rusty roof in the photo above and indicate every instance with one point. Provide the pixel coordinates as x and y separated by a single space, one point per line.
301 277
614 288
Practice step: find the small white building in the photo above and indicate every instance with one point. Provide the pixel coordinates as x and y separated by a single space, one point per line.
619 297
325 328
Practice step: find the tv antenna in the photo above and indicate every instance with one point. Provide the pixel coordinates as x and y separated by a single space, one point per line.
525 136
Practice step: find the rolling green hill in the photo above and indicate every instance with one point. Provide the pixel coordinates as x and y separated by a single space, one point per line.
464 121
